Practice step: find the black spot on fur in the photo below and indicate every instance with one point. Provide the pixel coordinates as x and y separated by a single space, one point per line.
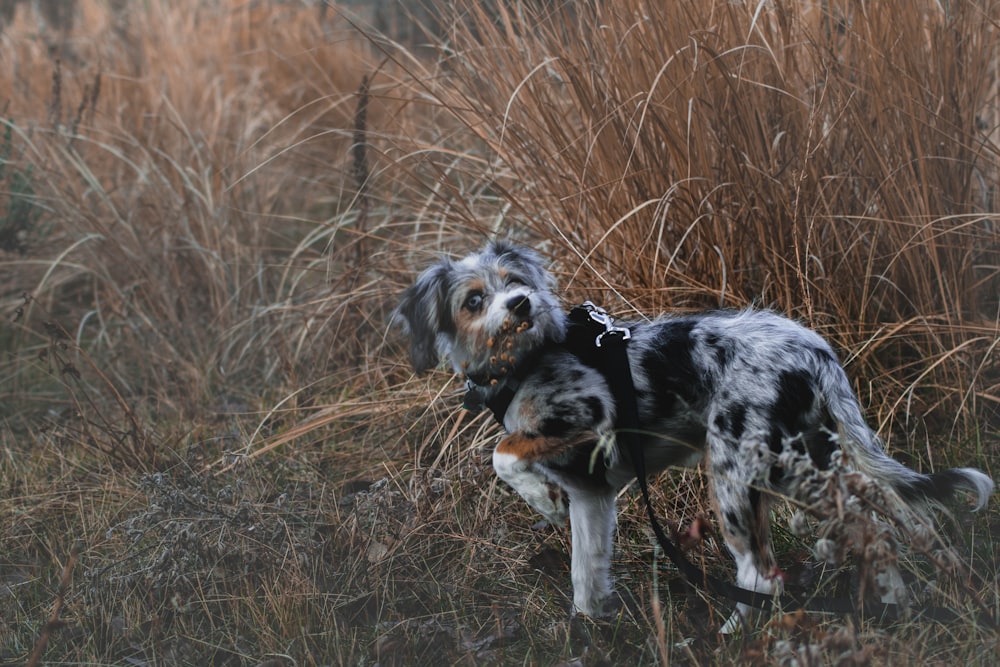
595 407
795 400
546 376
816 440
723 465
572 416
794 423
790 409
555 427
733 522
822 443
794 419
776 440
583 466
722 350
669 362
737 420
721 423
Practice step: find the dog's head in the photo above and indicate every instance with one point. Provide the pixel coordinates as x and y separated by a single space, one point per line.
486 312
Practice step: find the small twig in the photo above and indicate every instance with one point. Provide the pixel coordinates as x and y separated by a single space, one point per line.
128 444
360 167
55 103
54 623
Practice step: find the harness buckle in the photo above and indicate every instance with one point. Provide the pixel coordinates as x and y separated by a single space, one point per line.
600 316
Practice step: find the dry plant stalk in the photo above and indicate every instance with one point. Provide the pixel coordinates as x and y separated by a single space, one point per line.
359 167
53 623
132 446
856 515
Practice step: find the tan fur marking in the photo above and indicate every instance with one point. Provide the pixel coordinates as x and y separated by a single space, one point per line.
470 324
533 447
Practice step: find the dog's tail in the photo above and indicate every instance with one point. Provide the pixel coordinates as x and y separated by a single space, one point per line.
865 449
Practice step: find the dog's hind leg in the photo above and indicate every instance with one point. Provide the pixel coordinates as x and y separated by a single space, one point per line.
743 511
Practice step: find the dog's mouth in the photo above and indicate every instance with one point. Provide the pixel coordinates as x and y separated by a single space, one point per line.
499 367
516 327
505 353
506 337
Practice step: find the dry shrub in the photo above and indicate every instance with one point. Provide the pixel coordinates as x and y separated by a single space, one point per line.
199 537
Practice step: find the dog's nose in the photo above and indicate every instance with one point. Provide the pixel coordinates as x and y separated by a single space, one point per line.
519 305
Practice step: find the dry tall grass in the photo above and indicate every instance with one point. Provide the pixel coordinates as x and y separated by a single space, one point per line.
199 385
191 160
835 166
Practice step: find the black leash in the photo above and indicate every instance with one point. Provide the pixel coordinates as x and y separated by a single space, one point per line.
595 339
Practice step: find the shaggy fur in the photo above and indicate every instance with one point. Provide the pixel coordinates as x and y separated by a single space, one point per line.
730 387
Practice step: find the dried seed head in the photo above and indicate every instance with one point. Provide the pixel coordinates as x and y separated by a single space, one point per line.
854 505
826 551
799 524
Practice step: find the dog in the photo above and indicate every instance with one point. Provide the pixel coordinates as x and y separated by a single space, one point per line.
730 387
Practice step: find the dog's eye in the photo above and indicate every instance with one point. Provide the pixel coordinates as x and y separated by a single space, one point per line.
473 302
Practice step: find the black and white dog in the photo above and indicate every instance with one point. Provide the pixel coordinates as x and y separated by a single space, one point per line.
728 386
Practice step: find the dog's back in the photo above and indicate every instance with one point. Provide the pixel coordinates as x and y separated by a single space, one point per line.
755 376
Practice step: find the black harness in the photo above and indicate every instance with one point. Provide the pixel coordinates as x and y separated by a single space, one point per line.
594 339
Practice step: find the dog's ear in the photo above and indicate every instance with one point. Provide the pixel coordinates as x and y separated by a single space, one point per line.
423 313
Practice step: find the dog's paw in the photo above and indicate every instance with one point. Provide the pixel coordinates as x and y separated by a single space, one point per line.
597 606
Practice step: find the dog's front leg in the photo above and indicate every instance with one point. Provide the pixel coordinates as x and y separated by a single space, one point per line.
592 517
518 461
518 468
